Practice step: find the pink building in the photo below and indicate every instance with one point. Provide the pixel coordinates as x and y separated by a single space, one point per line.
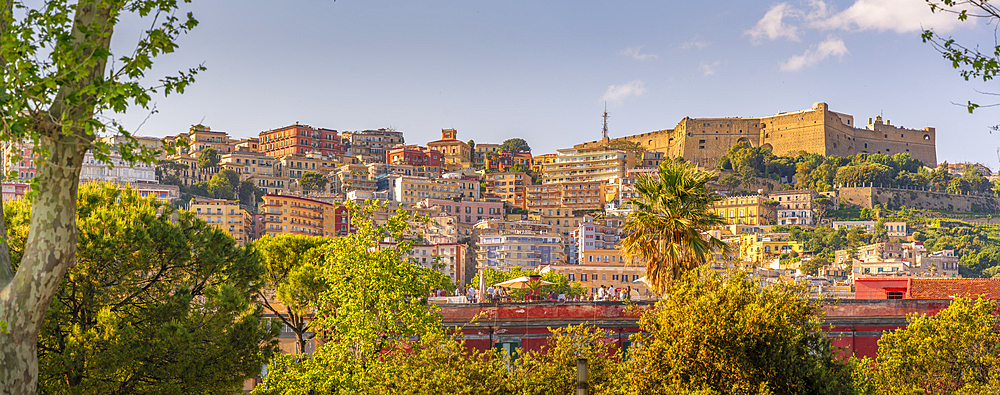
467 210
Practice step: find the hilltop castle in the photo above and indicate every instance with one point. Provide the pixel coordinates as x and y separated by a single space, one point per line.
817 130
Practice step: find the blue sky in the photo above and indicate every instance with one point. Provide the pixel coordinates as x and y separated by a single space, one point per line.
542 70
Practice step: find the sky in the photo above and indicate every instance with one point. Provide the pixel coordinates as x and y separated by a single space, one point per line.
544 70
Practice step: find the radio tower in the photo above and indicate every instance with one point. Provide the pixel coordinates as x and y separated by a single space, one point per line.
605 120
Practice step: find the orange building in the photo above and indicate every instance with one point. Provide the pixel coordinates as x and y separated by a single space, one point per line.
510 187
295 215
300 139
503 161
457 154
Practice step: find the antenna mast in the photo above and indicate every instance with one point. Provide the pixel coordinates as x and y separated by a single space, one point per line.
605 120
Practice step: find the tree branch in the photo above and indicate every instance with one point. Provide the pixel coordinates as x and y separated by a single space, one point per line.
6 270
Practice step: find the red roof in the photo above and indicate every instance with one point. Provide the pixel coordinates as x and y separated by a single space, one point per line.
926 288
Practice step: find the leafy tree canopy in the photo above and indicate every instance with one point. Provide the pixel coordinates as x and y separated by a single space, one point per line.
952 352
719 335
146 286
515 145
312 181
59 91
208 157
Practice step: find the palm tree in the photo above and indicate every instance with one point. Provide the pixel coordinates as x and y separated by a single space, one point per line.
664 229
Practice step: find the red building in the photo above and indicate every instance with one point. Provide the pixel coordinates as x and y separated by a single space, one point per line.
853 326
926 288
414 156
300 139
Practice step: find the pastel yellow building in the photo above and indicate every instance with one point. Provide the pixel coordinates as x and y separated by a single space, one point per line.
745 210
223 214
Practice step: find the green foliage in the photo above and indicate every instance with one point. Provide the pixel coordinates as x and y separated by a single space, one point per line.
814 171
249 193
209 157
168 172
812 266
868 174
664 229
956 351
147 285
515 145
824 242
293 279
374 300
312 181
721 335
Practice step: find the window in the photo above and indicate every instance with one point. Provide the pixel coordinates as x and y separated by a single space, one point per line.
894 295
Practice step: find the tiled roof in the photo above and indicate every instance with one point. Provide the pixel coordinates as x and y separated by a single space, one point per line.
950 288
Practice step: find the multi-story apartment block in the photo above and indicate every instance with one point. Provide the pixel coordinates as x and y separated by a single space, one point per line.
539 162
448 259
941 264
481 151
295 215
20 159
958 169
152 143
893 229
121 172
300 139
198 138
746 210
527 250
510 187
248 163
372 145
881 252
586 164
349 178
758 249
794 207
428 160
494 227
468 210
605 267
590 236
944 263
650 159
503 161
223 214
563 222
377 170
457 154
414 189
622 190
580 195
293 166
251 144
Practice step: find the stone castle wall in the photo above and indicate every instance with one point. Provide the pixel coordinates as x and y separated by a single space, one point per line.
817 130
893 198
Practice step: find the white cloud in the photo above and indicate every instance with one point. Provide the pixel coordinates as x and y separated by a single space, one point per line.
900 16
772 26
816 54
633 52
708 68
694 43
618 93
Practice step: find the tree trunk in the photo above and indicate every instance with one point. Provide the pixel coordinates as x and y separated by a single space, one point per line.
50 251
